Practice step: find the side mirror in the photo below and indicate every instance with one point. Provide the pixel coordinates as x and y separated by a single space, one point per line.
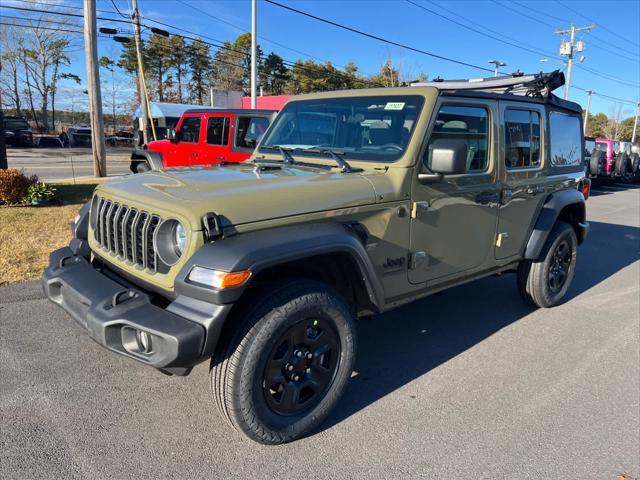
448 157
173 136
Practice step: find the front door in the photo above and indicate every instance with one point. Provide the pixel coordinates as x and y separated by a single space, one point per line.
523 177
454 220
188 145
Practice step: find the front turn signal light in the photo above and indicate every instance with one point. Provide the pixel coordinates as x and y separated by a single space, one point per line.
217 279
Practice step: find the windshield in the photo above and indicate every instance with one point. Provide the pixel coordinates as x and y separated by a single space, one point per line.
363 128
12 124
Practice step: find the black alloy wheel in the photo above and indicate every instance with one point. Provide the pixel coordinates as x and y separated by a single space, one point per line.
559 268
301 367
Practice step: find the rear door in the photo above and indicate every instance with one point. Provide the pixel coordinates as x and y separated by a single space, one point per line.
523 175
187 148
218 138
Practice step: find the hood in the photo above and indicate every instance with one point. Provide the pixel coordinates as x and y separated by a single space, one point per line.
238 194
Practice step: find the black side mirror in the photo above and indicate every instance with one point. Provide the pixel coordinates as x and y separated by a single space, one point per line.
448 157
173 135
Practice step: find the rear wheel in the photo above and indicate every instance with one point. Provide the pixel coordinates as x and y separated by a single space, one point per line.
596 163
281 372
142 167
545 282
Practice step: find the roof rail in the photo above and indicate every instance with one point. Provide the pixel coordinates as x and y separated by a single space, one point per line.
538 85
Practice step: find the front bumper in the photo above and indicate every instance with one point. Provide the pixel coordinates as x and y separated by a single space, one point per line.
112 312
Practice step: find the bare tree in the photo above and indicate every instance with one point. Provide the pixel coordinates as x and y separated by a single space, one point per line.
11 39
614 125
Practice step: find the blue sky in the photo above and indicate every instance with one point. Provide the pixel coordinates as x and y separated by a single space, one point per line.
527 22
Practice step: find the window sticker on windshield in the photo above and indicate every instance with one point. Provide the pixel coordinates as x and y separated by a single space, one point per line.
394 106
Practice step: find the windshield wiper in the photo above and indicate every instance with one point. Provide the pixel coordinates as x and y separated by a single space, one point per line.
335 154
285 152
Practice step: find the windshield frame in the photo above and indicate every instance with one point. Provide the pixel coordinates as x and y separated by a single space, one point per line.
415 100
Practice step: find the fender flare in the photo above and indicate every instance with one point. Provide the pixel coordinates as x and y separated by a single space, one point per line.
153 158
259 250
547 217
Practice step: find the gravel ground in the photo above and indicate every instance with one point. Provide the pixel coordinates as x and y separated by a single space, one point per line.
468 384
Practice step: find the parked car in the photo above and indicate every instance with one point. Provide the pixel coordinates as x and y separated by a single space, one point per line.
610 149
48 142
594 157
17 132
120 138
205 137
355 203
78 136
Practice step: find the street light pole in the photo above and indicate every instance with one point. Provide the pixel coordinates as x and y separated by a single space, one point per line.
497 64
144 119
254 52
586 113
635 125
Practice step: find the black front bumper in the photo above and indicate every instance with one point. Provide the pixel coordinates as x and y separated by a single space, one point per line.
182 335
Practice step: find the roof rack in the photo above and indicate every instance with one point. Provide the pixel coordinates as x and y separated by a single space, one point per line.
539 85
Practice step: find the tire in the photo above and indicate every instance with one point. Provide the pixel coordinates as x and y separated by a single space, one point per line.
239 375
142 167
595 164
543 283
635 164
621 164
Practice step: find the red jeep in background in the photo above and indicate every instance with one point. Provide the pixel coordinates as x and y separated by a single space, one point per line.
204 137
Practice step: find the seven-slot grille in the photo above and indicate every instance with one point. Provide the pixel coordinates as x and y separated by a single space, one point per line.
127 232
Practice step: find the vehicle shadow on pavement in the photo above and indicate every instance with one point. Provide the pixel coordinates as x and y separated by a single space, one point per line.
404 344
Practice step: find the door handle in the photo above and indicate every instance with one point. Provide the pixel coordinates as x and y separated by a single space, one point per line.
535 190
485 198
194 154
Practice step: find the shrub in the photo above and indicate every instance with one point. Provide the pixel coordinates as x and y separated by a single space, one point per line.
14 185
39 191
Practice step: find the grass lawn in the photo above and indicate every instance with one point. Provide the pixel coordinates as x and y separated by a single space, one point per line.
29 234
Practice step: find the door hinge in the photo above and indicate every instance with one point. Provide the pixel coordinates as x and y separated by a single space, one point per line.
417 260
419 208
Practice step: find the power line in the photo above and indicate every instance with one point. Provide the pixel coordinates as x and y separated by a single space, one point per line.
66 14
378 38
599 24
118 10
480 32
617 99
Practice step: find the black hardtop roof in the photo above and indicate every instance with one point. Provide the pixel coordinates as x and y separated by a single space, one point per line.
236 111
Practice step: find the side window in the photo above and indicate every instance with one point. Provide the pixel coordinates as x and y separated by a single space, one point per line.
218 131
522 138
470 124
566 144
190 130
250 131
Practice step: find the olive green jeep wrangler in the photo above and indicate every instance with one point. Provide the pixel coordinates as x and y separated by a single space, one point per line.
353 203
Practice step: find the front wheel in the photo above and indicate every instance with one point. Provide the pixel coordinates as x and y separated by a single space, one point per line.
283 370
545 282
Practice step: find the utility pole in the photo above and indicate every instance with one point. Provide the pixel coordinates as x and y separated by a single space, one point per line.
586 113
635 125
3 144
497 64
569 48
93 87
144 119
254 52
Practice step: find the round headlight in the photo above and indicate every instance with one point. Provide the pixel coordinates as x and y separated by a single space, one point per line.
179 238
170 241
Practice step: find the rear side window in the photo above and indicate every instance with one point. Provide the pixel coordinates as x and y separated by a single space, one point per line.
566 148
190 130
464 123
250 130
522 138
218 131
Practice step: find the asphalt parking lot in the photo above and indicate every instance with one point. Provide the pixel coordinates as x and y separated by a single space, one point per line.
55 164
468 384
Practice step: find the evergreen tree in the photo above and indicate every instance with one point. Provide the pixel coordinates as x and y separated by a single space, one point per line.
200 64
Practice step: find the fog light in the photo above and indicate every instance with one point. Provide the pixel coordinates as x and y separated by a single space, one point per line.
143 339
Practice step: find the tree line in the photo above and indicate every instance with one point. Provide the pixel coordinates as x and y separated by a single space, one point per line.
180 71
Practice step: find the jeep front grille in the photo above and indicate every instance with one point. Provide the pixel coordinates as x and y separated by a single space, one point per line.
126 232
